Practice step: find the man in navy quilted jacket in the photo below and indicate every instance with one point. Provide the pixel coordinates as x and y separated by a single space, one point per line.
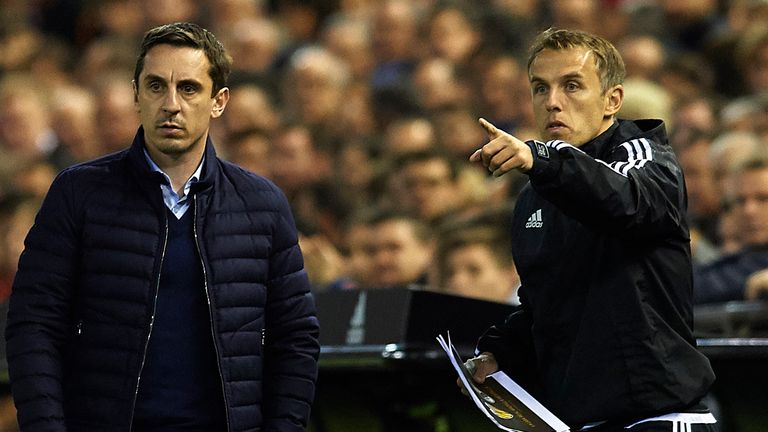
161 288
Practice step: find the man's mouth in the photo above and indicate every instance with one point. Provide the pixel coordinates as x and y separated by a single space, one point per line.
170 129
555 126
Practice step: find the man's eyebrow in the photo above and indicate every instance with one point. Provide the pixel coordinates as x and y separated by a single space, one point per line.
153 77
568 76
572 75
191 81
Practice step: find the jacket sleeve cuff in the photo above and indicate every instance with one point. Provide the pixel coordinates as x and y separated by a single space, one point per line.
546 160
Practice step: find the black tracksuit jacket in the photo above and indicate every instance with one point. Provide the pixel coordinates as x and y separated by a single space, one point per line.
602 247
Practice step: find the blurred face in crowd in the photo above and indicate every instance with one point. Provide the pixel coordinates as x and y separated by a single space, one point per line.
252 153
452 36
295 162
398 255
359 259
23 120
250 108
116 110
700 181
472 270
394 31
567 99
174 99
318 83
430 189
751 204
757 70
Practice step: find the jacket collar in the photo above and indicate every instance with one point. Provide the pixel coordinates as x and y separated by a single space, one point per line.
624 130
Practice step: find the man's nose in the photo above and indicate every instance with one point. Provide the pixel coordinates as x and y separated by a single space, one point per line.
171 102
552 101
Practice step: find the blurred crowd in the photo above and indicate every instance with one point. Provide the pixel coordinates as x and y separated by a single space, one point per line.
365 113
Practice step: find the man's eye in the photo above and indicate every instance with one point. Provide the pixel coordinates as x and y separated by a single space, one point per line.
155 86
571 86
540 89
188 89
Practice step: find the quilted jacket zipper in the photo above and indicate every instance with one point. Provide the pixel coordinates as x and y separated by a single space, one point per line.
151 323
210 309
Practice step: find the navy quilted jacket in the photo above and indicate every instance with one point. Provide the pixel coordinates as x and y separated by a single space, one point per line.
82 303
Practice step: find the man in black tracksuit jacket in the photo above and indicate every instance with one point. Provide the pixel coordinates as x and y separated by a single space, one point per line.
600 240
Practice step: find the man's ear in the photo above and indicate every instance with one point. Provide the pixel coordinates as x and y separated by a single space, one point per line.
613 99
220 102
135 94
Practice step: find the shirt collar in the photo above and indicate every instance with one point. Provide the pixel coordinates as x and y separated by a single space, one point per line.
193 179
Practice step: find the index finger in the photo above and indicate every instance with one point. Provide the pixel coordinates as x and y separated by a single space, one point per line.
490 129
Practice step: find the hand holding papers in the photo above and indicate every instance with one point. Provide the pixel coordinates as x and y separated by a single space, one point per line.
502 400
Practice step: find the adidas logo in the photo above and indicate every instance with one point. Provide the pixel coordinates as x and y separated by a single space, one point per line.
535 220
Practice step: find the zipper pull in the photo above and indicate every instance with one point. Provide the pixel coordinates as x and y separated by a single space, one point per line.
79 328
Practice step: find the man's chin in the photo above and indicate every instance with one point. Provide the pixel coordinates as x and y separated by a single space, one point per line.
173 147
549 135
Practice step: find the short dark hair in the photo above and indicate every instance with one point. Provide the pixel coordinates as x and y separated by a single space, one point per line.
428 155
184 34
609 63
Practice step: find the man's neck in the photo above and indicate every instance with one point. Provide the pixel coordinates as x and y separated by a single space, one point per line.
179 168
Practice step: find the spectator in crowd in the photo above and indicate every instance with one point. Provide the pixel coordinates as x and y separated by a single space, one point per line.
313 93
395 43
158 12
408 134
757 286
400 248
355 170
437 85
501 108
431 185
704 201
250 149
32 177
73 113
17 212
726 278
195 306
617 298
349 39
256 43
454 35
302 169
729 150
357 250
643 55
579 14
646 99
25 121
457 131
752 56
691 115
225 12
252 107
115 107
475 261
685 75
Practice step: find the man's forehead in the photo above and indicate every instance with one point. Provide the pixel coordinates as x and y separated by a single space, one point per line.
569 61
187 61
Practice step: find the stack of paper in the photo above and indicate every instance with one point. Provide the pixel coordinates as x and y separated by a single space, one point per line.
502 400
